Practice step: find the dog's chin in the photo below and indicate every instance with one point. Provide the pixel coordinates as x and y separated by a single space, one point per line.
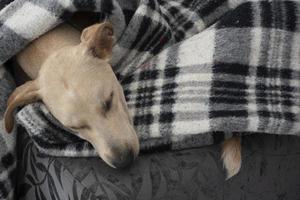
109 163
119 163
117 157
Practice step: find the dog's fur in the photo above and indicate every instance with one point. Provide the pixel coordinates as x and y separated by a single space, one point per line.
232 155
71 75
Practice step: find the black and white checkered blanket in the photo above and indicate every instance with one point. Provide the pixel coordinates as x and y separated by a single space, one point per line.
193 71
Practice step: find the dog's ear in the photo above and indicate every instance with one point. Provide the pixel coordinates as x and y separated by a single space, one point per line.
99 39
22 95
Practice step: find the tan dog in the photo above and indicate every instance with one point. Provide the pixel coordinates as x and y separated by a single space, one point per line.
71 75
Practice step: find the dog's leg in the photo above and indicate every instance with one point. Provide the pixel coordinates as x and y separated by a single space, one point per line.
231 155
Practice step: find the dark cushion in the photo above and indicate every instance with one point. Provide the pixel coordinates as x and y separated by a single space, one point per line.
270 170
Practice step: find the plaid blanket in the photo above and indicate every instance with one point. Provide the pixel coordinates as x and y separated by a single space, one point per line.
7 141
194 72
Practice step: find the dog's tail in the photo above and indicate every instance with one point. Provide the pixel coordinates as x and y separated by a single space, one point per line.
231 155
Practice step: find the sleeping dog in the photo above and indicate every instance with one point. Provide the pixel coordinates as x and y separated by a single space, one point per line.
70 73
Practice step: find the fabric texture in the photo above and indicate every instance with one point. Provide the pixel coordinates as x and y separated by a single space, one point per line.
270 171
7 141
193 72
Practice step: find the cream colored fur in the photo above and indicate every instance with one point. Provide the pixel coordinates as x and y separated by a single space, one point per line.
73 78
231 155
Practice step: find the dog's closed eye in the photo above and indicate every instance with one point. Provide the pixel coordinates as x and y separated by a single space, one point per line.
80 127
108 103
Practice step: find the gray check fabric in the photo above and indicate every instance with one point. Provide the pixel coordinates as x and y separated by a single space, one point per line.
193 72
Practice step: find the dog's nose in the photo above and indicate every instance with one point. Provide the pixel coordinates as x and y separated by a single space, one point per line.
123 158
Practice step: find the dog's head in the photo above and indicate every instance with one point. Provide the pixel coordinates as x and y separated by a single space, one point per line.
80 89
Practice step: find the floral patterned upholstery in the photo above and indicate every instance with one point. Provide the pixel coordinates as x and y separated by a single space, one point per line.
270 170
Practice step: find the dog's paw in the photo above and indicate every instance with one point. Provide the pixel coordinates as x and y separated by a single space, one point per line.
231 156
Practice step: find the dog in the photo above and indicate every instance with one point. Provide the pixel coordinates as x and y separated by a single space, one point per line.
70 73
73 78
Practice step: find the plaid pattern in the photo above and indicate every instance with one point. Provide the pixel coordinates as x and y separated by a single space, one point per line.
194 72
7 141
